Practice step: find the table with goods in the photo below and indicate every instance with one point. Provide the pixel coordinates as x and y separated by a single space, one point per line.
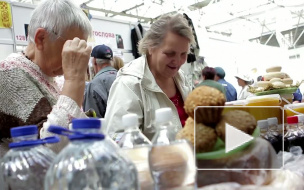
191 158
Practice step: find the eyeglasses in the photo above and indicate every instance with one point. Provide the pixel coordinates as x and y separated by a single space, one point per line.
56 34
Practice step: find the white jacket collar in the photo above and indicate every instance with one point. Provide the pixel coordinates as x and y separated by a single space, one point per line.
139 68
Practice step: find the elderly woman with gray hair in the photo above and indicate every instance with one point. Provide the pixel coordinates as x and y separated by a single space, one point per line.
154 80
58 31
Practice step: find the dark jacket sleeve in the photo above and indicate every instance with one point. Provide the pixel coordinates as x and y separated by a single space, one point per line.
93 100
134 41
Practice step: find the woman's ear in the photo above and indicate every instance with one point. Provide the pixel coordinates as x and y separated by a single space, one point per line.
150 51
40 38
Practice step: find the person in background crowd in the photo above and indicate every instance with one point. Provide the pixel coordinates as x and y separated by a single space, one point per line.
154 80
231 94
260 78
243 81
208 74
97 90
117 63
57 36
297 96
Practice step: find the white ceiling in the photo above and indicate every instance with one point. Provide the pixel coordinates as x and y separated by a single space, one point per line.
239 19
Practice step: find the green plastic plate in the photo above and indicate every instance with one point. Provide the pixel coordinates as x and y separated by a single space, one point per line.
278 91
219 148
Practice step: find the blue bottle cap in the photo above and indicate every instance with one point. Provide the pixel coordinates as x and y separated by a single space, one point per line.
88 123
53 139
24 130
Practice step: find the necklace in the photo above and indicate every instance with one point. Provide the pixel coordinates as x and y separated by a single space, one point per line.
26 56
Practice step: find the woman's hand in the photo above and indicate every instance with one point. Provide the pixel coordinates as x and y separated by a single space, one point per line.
75 59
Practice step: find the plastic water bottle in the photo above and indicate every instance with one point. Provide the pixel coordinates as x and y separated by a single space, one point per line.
171 161
273 126
264 130
132 136
276 130
273 129
89 161
24 166
136 146
112 145
301 122
294 136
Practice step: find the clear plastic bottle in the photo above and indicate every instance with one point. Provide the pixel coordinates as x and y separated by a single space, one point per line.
24 166
171 161
90 162
136 146
301 122
110 142
265 133
112 145
273 129
132 136
293 136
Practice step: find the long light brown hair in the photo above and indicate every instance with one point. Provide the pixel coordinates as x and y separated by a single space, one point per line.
117 63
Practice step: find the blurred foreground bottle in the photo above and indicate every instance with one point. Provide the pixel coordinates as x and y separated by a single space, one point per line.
136 146
89 161
294 136
24 166
267 135
171 161
301 122
277 131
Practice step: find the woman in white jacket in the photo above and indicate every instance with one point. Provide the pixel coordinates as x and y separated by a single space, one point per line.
154 80
243 81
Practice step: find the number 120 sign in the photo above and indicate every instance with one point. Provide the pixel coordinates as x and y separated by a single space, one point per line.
20 38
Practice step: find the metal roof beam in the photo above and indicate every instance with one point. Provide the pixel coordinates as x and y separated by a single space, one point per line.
125 11
200 4
146 19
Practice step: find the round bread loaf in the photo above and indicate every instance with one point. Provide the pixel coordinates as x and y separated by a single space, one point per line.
205 96
275 80
263 84
278 84
239 119
274 69
269 76
205 137
287 81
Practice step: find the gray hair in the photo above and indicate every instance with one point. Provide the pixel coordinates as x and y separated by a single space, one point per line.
57 16
158 30
103 61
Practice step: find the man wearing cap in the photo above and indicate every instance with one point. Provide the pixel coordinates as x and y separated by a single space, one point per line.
97 91
231 94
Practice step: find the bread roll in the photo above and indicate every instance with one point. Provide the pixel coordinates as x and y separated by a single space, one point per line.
263 84
239 119
287 81
205 96
274 69
205 137
275 80
278 84
269 76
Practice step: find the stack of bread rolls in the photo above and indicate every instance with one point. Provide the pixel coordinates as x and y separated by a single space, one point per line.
275 79
206 122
